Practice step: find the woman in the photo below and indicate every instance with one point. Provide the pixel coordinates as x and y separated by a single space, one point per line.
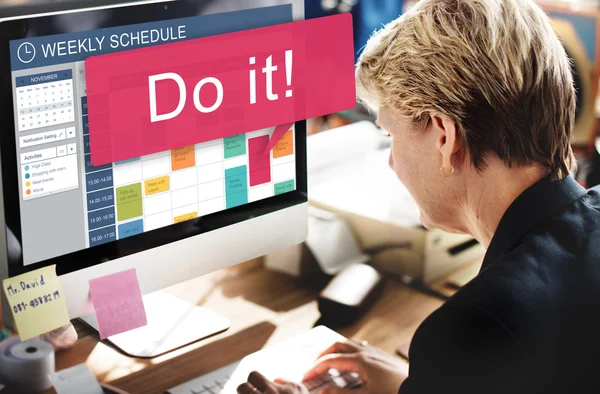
478 98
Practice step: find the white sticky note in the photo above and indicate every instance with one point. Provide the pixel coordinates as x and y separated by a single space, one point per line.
76 380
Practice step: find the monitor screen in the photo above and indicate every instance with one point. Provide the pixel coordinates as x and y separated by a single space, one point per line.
63 210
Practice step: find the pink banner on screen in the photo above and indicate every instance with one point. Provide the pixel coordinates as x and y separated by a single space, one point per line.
260 164
169 96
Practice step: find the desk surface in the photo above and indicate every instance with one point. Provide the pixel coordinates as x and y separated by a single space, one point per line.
264 308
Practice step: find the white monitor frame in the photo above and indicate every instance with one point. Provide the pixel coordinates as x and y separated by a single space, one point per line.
174 263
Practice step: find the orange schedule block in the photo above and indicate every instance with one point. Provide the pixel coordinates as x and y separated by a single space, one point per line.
285 146
183 158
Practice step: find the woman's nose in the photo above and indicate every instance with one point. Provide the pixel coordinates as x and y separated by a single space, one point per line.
391 161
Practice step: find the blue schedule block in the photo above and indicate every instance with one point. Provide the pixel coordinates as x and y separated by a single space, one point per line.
101 218
236 199
84 106
100 199
131 228
102 236
99 180
236 186
90 168
86 125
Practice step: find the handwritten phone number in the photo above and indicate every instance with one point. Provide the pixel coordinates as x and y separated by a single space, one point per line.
38 301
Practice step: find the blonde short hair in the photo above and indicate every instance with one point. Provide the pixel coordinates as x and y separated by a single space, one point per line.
496 67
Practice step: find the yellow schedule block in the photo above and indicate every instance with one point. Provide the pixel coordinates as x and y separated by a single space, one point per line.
37 302
183 218
157 185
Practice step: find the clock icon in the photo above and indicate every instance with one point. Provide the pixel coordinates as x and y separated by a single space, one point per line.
26 52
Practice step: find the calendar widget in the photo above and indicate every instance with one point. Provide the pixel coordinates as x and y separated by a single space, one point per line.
45 100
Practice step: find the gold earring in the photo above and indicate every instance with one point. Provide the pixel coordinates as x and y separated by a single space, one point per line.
451 171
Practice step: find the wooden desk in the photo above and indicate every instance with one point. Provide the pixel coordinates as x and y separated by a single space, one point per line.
264 308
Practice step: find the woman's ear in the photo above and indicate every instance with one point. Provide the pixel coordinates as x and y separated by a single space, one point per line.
447 142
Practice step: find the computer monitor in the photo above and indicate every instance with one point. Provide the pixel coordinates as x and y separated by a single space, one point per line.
59 209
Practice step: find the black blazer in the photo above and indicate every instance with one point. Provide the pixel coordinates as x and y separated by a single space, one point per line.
530 321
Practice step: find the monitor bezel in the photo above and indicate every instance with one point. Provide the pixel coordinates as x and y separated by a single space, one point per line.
92 256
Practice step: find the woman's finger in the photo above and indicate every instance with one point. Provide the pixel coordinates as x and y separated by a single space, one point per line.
340 347
342 362
246 388
258 380
290 387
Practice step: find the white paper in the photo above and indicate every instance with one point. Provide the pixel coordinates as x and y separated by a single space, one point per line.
364 185
76 380
331 241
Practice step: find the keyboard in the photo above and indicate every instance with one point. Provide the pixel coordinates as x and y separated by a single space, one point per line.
288 360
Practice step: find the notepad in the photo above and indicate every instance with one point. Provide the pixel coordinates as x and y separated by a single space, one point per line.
118 303
37 302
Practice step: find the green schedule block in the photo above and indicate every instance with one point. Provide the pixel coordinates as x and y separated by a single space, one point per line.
236 199
284 187
234 146
236 186
129 201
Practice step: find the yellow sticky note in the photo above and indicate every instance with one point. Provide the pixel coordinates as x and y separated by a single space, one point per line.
37 302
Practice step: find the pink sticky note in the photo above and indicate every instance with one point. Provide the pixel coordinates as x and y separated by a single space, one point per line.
117 299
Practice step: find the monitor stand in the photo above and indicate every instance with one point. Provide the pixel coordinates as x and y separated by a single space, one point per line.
172 323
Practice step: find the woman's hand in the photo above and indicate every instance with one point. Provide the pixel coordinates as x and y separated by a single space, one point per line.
258 384
379 372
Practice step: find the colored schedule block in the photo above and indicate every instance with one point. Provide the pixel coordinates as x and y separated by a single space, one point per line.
100 199
101 218
183 158
130 229
284 187
235 146
102 236
129 201
183 218
260 165
285 146
99 180
236 186
157 185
